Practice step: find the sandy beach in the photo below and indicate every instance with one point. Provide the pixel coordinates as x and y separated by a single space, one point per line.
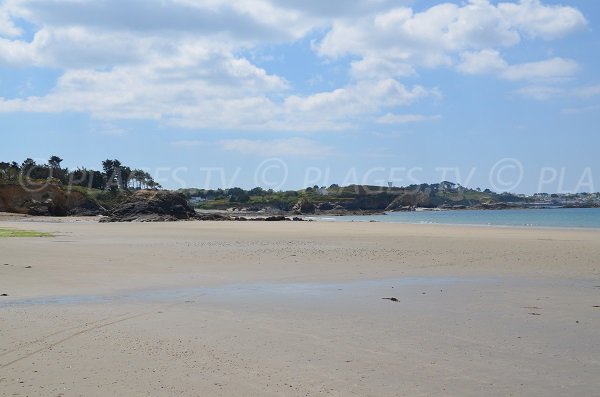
297 309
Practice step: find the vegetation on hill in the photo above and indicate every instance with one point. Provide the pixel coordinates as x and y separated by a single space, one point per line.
60 191
113 176
107 186
351 198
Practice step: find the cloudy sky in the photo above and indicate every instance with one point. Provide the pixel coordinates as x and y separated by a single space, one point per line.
285 94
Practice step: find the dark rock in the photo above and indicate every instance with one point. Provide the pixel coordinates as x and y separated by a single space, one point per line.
38 209
410 200
213 217
153 206
494 206
304 206
325 206
276 218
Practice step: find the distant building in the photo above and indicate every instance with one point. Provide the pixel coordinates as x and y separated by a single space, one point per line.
196 200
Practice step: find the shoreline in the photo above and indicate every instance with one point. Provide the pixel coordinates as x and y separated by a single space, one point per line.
321 218
471 225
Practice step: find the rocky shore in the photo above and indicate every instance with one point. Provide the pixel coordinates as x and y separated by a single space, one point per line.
166 206
48 199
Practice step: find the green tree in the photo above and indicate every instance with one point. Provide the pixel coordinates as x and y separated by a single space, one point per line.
28 165
113 173
54 162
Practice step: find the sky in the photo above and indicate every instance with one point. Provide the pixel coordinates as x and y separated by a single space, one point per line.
287 94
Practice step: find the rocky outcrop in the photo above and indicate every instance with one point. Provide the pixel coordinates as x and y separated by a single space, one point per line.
304 206
152 206
46 199
410 200
326 206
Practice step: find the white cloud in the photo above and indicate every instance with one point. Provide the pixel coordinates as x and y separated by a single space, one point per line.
482 62
7 26
340 8
400 37
544 92
364 97
174 62
555 68
391 118
537 20
193 78
588 92
540 92
580 110
247 21
291 147
491 62
133 93
179 61
378 68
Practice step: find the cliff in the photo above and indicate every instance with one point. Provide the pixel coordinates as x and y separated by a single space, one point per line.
46 199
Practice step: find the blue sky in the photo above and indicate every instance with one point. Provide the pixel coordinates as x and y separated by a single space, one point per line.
288 94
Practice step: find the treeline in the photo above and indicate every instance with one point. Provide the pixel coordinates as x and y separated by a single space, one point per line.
234 195
350 198
113 176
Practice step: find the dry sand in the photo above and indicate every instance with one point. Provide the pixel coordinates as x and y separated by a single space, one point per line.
296 309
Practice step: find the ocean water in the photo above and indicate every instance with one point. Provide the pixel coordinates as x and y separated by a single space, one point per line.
555 218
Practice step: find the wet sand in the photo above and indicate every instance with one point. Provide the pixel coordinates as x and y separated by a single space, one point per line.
297 309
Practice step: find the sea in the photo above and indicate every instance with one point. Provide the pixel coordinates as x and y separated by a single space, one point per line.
587 218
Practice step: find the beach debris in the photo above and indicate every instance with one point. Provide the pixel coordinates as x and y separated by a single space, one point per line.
532 307
3 294
28 267
535 314
392 299
596 306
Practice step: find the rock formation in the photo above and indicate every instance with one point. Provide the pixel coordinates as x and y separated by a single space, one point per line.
304 206
46 199
152 206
